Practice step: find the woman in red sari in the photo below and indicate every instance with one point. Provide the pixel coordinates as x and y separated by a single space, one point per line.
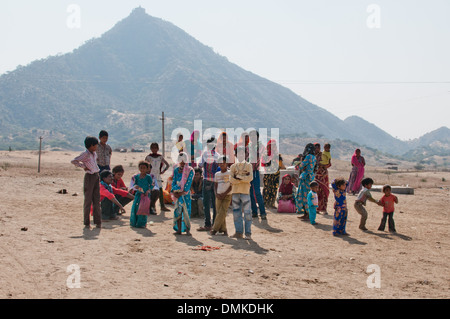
357 174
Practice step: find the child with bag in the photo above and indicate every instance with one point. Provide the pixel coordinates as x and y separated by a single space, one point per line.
143 185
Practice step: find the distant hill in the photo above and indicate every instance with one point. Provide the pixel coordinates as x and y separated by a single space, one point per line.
430 145
123 81
375 137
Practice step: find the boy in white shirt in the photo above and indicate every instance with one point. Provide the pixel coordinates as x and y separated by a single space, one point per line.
222 190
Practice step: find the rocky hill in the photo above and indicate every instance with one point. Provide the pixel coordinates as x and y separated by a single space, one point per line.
123 80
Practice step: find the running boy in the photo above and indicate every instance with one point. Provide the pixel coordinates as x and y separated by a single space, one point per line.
361 200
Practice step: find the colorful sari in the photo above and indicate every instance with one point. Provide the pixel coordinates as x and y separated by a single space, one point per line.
340 211
306 167
357 173
271 161
322 179
145 184
182 181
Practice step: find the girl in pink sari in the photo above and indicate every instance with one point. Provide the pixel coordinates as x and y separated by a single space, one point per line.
357 174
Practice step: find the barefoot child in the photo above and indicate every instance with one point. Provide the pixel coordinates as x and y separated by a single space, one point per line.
91 185
313 201
361 200
104 152
222 190
159 167
143 185
340 206
387 201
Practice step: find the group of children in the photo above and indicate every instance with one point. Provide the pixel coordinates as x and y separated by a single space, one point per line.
105 193
287 199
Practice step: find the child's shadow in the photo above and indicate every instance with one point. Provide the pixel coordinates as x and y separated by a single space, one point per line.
160 218
188 240
264 224
88 234
143 231
240 244
324 227
401 236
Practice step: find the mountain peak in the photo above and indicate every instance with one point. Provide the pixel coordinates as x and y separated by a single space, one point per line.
139 11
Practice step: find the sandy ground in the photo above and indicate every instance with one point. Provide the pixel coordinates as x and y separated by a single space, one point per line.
43 243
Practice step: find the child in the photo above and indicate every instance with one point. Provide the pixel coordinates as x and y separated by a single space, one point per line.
143 184
196 194
166 192
361 200
91 185
339 186
117 182
313 201
180 144
210 166
241 174
109 203
286 192
159 167
222 190
104 152
155 191
387 201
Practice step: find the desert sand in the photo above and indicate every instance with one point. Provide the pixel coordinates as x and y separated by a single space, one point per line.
44 246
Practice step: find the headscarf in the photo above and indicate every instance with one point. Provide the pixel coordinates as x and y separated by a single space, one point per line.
286 189
355 160
309 149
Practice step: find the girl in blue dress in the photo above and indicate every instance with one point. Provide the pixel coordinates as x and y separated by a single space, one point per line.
143 185
340 206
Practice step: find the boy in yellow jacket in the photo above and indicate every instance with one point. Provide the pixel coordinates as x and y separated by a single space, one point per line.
240 178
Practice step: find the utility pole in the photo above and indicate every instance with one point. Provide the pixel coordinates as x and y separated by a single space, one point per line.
163 139
40 148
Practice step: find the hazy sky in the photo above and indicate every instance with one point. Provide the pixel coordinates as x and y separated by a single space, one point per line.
386 61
